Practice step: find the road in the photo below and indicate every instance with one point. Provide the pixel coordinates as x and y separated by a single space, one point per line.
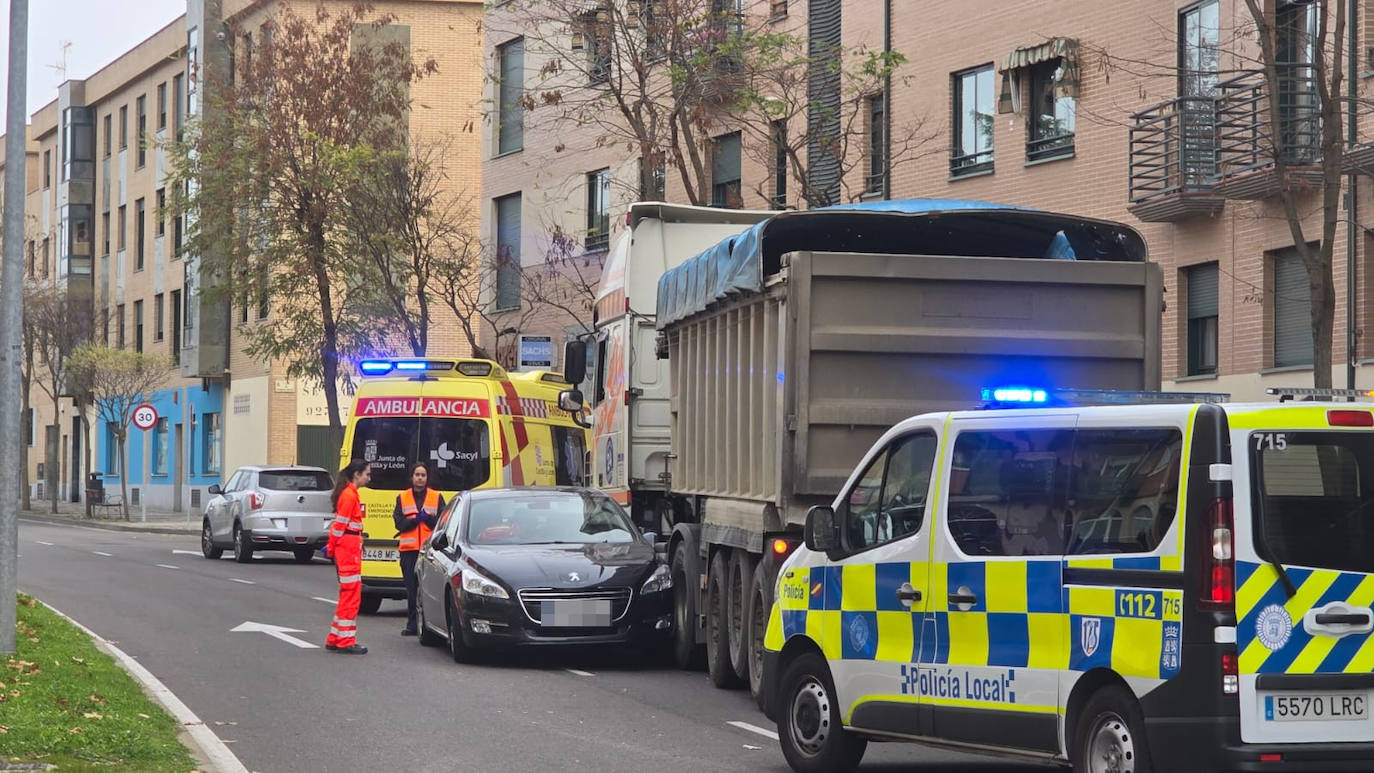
281 707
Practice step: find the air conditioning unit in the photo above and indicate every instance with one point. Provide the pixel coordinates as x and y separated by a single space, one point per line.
195 497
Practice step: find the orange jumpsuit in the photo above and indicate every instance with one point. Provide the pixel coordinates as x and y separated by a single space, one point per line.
346 548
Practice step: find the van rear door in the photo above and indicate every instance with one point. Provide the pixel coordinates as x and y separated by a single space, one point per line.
1304 573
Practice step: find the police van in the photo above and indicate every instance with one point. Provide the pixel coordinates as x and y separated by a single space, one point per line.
1120 587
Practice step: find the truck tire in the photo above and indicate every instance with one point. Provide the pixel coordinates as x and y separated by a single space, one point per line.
741 577
717 627
810 727
758 605
687 654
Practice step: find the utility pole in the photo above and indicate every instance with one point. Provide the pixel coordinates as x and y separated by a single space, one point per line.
12 319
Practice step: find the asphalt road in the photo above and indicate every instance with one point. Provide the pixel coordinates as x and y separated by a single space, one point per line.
281 707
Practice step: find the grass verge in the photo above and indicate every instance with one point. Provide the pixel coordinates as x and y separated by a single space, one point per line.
67 704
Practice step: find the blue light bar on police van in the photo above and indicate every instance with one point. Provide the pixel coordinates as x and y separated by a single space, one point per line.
1015 394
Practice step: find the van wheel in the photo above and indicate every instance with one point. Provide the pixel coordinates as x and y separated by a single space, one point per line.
686 651
758 605
1109 735
370 603
243 552
809 726
717 623
207 542
741 577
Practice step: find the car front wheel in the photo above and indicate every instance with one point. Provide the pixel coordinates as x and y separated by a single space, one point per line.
809 726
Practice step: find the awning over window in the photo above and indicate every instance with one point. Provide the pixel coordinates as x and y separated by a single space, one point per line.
1022 57
1063 50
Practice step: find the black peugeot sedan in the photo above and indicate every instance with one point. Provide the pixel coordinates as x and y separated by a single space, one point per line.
540 566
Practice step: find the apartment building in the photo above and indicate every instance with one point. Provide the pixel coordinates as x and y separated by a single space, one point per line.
1150 113
101 229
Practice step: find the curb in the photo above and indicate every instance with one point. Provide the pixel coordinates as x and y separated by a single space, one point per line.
136 526
203 740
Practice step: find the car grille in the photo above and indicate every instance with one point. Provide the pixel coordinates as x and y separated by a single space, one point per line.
531 600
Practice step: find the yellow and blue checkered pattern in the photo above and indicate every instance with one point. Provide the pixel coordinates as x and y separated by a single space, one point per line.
1269 633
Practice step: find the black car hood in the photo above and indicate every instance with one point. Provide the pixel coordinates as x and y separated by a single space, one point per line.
565 567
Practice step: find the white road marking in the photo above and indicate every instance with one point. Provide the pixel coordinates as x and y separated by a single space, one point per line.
211 746
754 729
168 566
41 542
325 600
579 673
98 553
245 582
276 632
186 552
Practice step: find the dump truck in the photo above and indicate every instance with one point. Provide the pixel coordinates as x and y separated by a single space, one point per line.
746 360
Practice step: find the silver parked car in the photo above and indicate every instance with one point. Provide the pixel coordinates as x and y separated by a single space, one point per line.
268 508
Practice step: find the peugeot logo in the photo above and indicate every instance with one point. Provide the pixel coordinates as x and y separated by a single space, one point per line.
574 577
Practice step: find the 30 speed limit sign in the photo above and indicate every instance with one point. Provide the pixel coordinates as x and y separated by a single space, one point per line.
145 416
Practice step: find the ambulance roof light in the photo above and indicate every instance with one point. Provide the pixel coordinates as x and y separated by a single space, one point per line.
410 365
374 367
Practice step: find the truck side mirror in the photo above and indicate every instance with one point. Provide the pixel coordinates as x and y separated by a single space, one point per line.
574 362
820 533
570 400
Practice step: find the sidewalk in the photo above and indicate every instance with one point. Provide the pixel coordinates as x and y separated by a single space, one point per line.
74 514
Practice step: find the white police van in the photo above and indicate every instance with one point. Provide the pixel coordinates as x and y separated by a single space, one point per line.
1157 585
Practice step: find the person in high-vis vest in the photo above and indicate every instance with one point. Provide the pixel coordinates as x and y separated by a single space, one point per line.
345 547
417 511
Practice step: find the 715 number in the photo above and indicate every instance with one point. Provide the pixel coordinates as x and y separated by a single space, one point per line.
1271 441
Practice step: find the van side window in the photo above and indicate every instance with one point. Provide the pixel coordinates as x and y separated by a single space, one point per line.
1006 495
570 454
1123 489
889 500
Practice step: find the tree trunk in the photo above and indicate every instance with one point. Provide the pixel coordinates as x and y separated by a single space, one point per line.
329 346
123 439
55 453
1323 294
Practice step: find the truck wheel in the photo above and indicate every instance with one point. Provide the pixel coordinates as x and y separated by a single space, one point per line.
809 725
758 605
1109 735
687 654
741 578
717 628
370 604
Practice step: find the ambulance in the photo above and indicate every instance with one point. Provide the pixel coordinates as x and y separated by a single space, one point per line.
474 424
1122 583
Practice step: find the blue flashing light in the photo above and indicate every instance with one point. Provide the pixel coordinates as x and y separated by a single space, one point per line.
1015 394
374 367
411 365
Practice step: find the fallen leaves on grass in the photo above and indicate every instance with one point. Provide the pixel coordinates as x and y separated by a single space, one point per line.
76 731
93 715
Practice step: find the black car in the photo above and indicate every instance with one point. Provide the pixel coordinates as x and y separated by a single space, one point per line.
541 566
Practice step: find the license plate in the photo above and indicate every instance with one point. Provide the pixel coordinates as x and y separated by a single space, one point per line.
1310 707
576 613
380 554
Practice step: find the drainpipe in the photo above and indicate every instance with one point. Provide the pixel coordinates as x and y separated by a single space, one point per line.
1351 338
887 102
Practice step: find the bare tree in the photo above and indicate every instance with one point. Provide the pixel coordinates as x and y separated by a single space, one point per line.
62 322
119 381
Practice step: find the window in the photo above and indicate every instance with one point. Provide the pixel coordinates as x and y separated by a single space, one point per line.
47 169
779 164
777 8
178 101
725 172
159 461
510 128
123 127
1202 319
508 252
1292 311
570 454
877 144
105 233
1052 113
393 443
1295 37
1123 489
596 39
178 226
210 448
889 501
1314 491
140 232
655 20
158 328
161 211
175 306
598 209
112 450
138 326
653 178
1199 50
47 248
109 133
123 232
1006 494
119 323
161 106
264 292
141 111
974 101
291 480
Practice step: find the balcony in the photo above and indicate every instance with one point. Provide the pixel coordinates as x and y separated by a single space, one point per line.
1247 145
1173 160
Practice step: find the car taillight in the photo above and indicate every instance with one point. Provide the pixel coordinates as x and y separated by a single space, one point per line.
1349 418
256 500
1219 577
1230 673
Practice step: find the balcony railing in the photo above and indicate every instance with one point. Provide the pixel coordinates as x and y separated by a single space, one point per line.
1173 159
1248 143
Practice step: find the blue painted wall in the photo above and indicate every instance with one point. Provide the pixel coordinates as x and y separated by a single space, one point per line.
171 404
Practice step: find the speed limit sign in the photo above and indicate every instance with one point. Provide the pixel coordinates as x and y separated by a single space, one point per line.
145 416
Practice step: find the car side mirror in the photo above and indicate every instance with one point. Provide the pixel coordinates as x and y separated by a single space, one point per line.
651 537
574 361
215 490
439 541
820 533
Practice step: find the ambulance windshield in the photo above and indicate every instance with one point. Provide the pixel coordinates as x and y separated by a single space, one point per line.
458 451
1314 496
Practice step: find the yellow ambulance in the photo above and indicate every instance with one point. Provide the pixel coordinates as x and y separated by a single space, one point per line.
474 424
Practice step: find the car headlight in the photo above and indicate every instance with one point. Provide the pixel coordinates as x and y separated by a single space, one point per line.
659 581
478 584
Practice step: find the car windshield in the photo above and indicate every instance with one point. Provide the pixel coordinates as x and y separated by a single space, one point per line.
548 518
295 480
457 451
1315 498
